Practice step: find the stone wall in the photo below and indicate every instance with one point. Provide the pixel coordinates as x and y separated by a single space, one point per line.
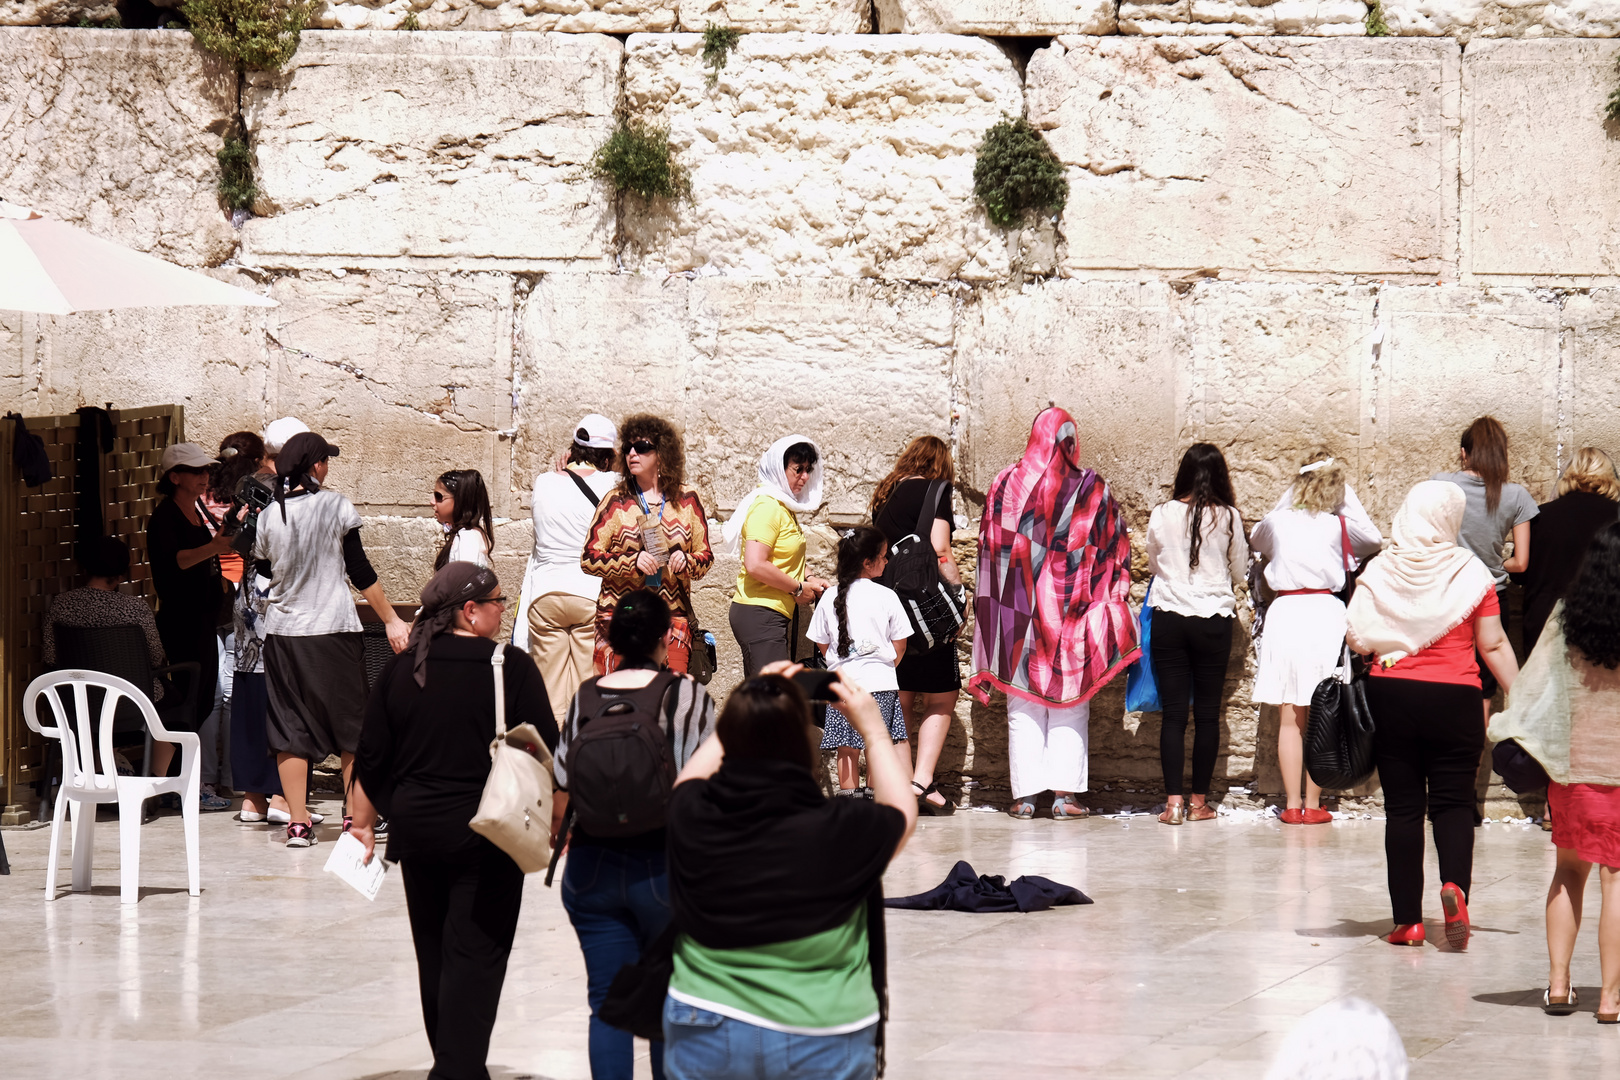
1270 242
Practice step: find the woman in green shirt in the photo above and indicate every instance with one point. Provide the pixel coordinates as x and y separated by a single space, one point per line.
777 893
764 530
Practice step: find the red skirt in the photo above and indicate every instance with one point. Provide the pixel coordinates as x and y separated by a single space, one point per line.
1586 820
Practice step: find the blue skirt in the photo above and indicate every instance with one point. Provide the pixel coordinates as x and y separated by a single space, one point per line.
840 732
253 766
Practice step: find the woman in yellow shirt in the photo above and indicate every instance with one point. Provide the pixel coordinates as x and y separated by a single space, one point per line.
765 531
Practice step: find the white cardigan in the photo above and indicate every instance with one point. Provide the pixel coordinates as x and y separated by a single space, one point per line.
1223 557
1305 550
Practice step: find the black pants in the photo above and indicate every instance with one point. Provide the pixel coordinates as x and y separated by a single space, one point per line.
762 634
1428 743
1189 664
464 912
190 639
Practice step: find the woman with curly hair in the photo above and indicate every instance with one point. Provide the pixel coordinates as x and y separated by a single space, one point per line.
1565 712
1422 610
649 533
1310 542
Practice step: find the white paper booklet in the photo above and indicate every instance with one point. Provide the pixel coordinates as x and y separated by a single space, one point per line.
347 862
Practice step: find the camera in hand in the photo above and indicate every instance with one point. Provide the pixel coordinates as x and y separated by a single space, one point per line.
817 684
242 521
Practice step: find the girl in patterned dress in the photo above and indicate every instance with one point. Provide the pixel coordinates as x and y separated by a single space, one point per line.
862 630
650 533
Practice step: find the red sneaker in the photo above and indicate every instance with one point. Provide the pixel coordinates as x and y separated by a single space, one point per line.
1292 817
1456 909
1316 816
1406 934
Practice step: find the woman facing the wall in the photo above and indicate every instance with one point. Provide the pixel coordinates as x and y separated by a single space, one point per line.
1562 529
1052 623
1196 551
1310 541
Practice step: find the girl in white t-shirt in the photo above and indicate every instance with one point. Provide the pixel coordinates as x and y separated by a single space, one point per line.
461 507
862 630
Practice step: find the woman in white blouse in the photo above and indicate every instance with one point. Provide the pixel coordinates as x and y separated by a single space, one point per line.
1316 532
461 507
1196 551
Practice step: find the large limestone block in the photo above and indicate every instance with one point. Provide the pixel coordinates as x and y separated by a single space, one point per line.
859 367
822 156
1542 102
116 131
600 16
1010 17
54 12
1300 18
380 149
1257 156
1590 400
1466 20
779 16
1452 354
409 373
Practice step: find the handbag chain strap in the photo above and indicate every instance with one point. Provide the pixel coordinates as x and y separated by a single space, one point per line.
497 662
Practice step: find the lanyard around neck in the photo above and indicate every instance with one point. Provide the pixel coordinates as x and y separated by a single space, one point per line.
641 498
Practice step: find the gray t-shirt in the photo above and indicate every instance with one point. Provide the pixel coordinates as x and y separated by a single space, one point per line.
1484 533
309 589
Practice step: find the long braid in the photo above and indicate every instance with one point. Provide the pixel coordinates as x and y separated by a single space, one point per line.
841 602
856 548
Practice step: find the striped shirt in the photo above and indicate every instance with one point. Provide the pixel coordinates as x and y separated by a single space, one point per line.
687 712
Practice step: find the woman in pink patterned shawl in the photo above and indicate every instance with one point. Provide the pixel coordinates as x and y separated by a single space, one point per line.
1051 622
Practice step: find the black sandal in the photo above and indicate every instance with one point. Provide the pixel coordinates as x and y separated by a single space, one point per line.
925 808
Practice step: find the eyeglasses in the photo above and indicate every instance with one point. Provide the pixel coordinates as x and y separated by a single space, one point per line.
642 446
439 496
501 600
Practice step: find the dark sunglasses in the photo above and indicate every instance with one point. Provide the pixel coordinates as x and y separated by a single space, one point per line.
439 496
642 446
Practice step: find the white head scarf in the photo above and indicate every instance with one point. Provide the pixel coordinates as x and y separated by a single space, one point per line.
1424 585
774 484
1348 1039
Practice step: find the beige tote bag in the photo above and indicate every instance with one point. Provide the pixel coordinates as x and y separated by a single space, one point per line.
515 811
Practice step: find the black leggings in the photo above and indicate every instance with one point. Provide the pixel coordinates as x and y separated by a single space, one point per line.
1428 742
1189 664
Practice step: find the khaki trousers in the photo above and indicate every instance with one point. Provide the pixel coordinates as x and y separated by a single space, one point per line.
562 639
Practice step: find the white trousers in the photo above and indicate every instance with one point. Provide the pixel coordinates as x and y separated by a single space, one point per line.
1048 748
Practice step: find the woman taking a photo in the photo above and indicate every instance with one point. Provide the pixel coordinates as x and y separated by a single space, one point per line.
1561 530
1311 540
1565 711
930 680
461 507
423 762
1196 551
1422 610
650 533
772 582
777 892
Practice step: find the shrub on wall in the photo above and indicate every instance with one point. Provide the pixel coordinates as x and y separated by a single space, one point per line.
253 33
237 188
718 44
1374 22
637 158
1017 174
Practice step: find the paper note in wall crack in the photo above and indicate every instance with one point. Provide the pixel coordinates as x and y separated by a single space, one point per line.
347 861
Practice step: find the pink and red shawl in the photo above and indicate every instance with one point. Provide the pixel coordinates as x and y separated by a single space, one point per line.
1051 622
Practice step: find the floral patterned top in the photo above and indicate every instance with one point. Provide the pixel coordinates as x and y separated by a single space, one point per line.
95 609
247 622
614 541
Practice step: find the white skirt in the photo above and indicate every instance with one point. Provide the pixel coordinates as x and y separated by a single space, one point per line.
1300 645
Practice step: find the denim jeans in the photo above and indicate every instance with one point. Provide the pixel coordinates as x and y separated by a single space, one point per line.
618 902
703 1045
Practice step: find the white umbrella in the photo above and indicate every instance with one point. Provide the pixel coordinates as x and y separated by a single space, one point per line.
50 267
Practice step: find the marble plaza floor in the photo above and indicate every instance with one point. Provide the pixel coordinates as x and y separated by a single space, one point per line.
1205 944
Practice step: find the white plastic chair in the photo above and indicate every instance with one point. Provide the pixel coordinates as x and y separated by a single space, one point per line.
84 787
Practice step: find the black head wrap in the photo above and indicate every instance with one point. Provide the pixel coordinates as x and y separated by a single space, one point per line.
301 453
446 591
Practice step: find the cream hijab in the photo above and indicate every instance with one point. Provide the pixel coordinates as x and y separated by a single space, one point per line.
1424 585
773 484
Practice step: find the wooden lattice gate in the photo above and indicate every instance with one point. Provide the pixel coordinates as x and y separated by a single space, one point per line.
36 551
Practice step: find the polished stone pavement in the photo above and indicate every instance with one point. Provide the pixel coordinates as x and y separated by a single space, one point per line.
1206 943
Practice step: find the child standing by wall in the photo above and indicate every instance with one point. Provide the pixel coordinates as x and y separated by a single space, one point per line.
862 631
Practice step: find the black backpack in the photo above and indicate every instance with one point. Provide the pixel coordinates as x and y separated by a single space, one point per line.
621 765
934 607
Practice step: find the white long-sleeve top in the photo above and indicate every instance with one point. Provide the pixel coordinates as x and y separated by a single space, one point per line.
1223 557
1305 550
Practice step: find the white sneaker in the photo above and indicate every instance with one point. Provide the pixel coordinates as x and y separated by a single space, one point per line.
281 817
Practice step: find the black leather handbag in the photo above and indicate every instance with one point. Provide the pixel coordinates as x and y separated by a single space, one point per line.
1522 773
1339 734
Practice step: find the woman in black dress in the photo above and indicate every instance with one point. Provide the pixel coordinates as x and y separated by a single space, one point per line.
1559 534
930 680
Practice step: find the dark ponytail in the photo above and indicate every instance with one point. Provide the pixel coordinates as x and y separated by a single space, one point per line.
1204 481
858 547
1486 444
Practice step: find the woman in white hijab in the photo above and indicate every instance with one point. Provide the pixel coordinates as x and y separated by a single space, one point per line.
1422 609
765 530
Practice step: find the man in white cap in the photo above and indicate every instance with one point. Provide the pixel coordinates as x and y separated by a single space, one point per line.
559 599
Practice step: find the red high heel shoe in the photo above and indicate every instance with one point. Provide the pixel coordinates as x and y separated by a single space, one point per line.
1406 934
1458 928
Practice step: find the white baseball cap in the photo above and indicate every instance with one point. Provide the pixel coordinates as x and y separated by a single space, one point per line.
277 432
184 455
596 431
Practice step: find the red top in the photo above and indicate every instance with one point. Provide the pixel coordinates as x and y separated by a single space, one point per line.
1449 660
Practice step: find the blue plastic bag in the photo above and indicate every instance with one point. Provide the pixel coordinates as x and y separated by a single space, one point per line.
1141 688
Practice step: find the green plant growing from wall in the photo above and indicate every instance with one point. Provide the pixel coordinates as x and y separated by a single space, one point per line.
259 34
1017 174
410 22
1611 111
1374 22
637 159
237 189
86 23
719 42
